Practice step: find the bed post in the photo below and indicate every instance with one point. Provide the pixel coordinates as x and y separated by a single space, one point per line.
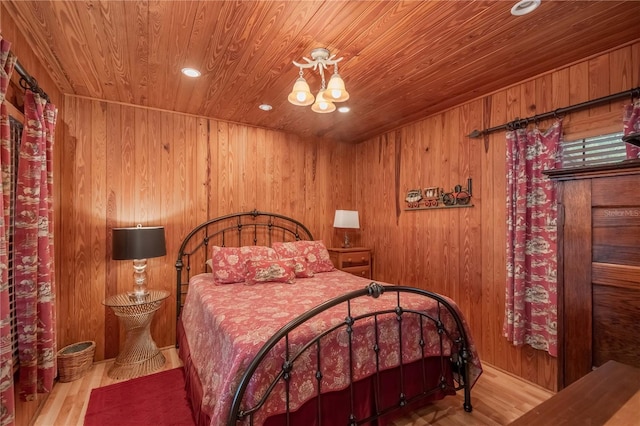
465 376
179 266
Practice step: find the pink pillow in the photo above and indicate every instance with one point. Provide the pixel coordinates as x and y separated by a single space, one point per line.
301 267
262 271
314 251
228 264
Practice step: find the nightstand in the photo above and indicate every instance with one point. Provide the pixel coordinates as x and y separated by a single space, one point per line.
355 260
140 355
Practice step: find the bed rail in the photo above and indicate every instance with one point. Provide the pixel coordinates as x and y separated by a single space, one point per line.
233 230
457 359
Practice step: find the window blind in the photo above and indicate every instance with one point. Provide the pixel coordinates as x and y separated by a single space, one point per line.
16 136
593 151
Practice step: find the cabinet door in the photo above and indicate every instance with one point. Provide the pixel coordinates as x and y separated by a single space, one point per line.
599 273
615 270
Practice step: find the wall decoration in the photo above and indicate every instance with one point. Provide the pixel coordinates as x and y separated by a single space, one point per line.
435 197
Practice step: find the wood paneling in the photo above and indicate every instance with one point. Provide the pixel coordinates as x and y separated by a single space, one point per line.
402 60
127 165
461 252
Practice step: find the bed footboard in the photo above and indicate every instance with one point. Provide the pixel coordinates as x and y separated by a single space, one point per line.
442 320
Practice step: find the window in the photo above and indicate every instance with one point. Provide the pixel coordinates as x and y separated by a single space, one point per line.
593 151
16 136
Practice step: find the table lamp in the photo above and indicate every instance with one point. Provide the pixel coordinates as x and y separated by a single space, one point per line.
139 244
346 219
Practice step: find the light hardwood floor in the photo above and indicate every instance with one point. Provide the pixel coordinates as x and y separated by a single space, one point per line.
497 398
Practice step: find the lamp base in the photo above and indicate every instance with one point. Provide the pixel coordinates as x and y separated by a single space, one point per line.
346 243
138 297
140 291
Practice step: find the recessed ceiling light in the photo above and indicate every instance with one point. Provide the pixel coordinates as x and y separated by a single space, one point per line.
265 107
344 109
191 72
524 6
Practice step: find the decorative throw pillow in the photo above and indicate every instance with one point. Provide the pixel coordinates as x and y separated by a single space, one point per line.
301 267
228 264
314 251
262 271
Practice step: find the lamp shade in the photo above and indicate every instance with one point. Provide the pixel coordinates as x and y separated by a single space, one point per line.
346 219
138 242
323 104
301 94
336 90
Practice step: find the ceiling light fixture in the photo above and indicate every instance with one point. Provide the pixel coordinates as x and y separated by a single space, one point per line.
265 107
191 72
328 93
524 6
344 109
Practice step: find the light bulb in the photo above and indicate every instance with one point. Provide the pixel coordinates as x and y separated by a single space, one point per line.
191 72
322 104
301 96
335 94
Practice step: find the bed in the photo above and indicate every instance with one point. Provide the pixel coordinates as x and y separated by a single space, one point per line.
286 339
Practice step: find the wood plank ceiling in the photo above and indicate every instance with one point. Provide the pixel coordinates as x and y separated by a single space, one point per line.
402 60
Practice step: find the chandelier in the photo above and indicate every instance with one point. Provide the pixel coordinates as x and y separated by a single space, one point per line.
328 93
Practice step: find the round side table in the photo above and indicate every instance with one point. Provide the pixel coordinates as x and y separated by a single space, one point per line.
140 355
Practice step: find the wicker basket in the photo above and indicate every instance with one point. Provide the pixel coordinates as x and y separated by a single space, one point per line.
74 360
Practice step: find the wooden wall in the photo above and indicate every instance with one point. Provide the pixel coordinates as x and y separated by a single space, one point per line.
461 252
126 165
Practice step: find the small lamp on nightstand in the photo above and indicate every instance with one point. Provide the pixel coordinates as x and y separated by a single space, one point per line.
346 219
139 244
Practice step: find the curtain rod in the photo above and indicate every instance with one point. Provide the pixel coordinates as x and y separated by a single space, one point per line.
519 122
28 82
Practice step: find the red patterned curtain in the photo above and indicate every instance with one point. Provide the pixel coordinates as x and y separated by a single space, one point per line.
631 121
35 289
7 406
531 289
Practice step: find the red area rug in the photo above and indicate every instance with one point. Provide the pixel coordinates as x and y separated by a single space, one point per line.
158 399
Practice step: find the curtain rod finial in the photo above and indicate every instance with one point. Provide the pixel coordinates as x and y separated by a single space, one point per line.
475 134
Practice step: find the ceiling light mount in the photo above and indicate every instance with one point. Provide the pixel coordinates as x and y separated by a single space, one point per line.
319 54
334 91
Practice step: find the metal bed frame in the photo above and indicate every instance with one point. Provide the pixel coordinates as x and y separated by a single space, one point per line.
237 229
258 227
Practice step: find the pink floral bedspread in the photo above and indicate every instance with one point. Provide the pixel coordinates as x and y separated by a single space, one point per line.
226 325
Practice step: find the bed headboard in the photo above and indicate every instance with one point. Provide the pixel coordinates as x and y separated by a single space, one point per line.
233 230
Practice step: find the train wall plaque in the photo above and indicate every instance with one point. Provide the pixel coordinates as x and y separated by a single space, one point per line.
435 197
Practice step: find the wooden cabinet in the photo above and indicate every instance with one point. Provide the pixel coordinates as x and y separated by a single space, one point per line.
355 260
598 268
